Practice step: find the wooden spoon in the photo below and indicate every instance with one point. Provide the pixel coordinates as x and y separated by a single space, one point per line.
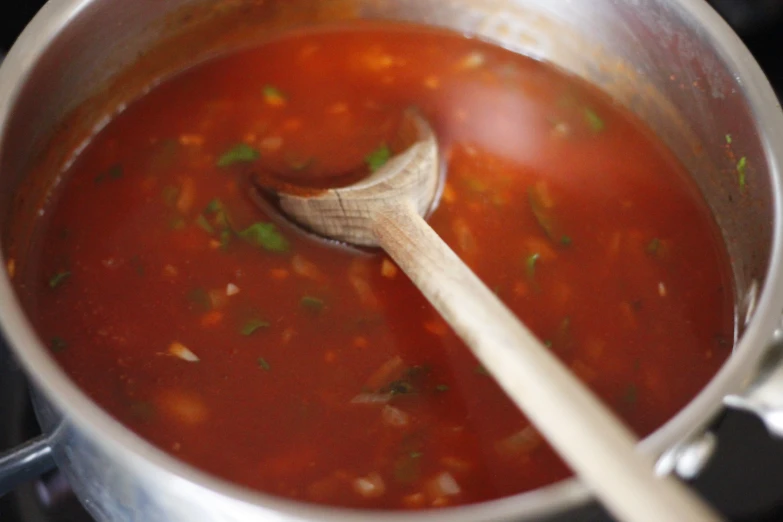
385 210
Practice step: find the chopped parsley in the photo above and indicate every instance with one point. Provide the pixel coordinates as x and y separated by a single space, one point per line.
476 185
200 299
142 411
59 278
594 121
531 263
415 454
177 223
114 172
203 223
57 344
170 193
274 96
630 395
653 247
214 206
480 370
266 236
566 241
539 200
728 139
137 265
742 166
252 326
442 388
263 364
239 153
298 164
312 303
225 239
410 382
378 158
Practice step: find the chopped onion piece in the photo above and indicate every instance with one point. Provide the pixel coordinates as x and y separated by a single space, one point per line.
180 350
371 486
304 268
473 60
445 484
395 417
388 269
371 398
232 289
519 443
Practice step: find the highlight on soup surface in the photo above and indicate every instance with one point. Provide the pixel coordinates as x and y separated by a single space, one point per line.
317 372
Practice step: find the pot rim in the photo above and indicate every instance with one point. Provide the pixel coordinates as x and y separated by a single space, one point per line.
120 442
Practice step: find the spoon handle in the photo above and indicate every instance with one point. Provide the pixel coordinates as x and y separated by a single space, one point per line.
596 445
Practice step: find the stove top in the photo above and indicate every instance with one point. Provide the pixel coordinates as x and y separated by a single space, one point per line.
743 479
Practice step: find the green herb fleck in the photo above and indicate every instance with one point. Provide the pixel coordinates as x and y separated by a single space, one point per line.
266 236
58 279
594 121
480 370
548 343
214 206
415 454
537 199
177 223
442 388
225 239
252 326
400 387
742 166
728 139
114 172
57 344
378 158
531 263
202 222
142 411
312 303
476 185
273 94
137 265
263 364
562 340
566 241
299 163
407 468
630 395
240 153
200 299
653 247
170 193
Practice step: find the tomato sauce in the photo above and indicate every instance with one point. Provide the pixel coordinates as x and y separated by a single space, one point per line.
317 372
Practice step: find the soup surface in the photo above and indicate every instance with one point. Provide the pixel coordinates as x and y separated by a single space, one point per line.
317 372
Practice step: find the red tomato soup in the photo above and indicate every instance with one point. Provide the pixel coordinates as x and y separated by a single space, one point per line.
316 372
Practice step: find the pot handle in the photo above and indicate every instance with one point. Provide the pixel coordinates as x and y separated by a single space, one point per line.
764 397
25 462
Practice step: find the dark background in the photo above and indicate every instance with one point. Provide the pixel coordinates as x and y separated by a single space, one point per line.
745 477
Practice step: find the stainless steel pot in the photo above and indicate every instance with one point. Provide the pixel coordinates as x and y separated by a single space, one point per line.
674 62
